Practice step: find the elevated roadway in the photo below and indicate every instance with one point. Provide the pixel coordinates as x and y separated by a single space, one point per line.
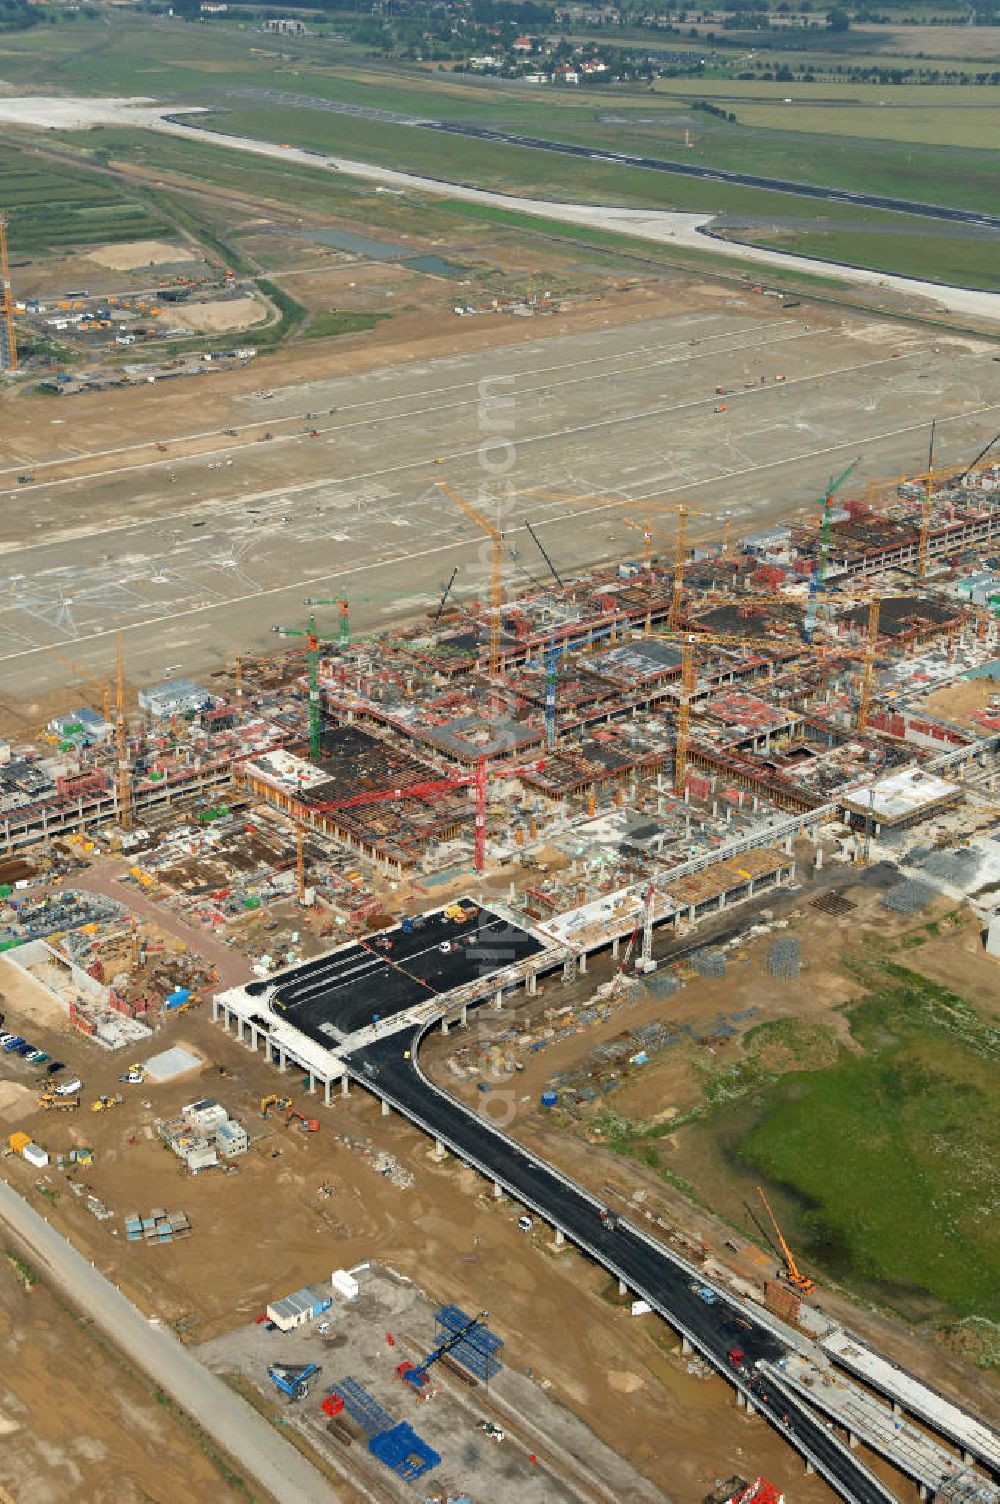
714 1326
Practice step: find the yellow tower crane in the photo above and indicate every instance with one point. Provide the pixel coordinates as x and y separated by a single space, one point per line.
124 780
496 571
868 668
8 343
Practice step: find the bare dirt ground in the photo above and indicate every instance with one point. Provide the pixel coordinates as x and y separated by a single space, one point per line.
136 253
76 1424
979 42
956 702
220 314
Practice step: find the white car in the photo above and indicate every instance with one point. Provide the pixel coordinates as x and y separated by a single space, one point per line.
525 1224
70 1088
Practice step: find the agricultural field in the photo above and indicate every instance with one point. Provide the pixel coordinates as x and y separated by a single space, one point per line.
56 209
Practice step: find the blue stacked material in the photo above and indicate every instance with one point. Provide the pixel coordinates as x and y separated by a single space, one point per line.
404 1452
477 1350
361 1406
550 1098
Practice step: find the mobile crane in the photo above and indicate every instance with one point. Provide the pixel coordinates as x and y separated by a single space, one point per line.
793 1273
417 1375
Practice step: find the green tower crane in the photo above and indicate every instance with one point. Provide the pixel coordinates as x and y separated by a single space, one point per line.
312 667
345 621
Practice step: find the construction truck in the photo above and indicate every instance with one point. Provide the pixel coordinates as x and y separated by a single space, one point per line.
52 1103
280 1104
105 1104
134 1076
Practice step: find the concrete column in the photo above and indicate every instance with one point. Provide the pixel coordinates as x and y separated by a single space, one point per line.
531 986
497 1190
326 1091
923 1491
809 1468
818 864
465 1014
582 963
267 1049
385 1108
253 1038
740 1401
281 1059
312 1083
560 1237
215 1010
498 998
239 1028
686 1348
852 1441
439 1149
444 1026
615 947
897 1408
788 845
345 1086
622 1287
751 1408
968 1458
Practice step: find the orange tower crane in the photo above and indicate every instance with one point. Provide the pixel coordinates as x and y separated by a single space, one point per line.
496 572
8 344
868 669
793 1273
121 745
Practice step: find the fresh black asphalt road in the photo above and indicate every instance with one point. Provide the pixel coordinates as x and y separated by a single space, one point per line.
389 1068
721 175
350 988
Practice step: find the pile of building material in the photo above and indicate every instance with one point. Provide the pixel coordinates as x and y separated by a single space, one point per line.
159 1227
908 897
784 959
709 963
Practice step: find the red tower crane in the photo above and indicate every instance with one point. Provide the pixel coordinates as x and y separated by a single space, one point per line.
429 788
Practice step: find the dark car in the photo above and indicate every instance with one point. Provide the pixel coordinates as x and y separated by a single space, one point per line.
24 1048
54 1068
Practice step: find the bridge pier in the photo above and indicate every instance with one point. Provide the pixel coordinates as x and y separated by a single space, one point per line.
465 1014
253 1038
809 1468
582 963
239 1028
498 998
531 985
622 1287
751 1408
345 1086
615 947
385 1108
281 1058
326 1091
267 1048
439 1149
687 1349
312 1083
444 1026
852 1441
740 1400
497 1190
560 1237
215 1010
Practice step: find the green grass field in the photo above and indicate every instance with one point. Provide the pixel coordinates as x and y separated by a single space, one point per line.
929 143
888 1159
966 262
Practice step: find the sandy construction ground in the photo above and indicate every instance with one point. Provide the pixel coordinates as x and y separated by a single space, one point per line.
601 409
77 1424
123 258
219 315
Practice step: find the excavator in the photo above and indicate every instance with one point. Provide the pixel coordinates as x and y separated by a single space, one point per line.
306 1125
281 1104
793 1273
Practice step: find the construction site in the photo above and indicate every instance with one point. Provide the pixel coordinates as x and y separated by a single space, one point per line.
571 775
